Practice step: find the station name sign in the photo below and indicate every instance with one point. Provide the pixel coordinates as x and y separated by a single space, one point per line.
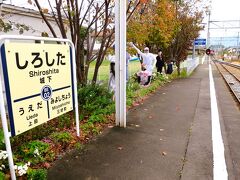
38 81
200 42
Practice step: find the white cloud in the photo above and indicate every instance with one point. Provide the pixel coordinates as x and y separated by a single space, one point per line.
225 9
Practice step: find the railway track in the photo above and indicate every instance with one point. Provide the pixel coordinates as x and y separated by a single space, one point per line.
231 74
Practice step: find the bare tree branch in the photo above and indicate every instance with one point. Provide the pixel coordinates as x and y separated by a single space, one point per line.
45 19
54 15
70 21
60 18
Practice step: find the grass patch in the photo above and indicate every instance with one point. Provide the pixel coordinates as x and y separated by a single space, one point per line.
136 92
183 74
37 174
103 73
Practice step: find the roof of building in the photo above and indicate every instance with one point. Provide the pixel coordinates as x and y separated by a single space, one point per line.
12 9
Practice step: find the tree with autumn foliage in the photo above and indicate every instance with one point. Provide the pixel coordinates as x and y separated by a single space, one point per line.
153 24
163 24
188 26
171 25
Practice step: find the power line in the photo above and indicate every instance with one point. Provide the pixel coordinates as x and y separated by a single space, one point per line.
237 27
221 24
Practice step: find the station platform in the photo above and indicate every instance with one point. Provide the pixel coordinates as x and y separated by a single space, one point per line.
167 137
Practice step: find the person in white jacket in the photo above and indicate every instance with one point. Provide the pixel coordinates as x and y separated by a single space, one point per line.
111 82
148 62
112 59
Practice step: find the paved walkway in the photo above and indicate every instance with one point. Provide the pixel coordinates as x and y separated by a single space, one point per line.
168 137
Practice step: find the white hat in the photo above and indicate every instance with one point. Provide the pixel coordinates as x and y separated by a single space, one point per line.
146 49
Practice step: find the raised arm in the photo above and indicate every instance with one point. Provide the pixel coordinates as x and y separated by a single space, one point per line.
138 50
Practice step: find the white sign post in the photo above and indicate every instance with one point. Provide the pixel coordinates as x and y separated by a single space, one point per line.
120 52
6 134
40 83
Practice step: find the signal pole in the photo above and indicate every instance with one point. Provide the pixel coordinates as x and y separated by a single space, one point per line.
208 34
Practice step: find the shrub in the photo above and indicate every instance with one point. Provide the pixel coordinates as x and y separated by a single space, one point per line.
2 175
135 91
63 138
90 128
34 151
132 87
95 100
91 92
37 174
79 146
184 73
3 163
96 130
87 127
97 118
2 142
21 168
64 121
36 133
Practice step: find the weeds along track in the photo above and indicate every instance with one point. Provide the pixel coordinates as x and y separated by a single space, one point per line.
231 74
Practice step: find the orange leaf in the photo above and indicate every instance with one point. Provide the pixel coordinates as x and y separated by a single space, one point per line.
143 1
44 10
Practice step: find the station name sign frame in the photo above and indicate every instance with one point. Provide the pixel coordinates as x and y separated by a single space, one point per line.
39 84
38 81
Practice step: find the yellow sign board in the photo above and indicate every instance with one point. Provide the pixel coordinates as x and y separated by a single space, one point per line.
38 81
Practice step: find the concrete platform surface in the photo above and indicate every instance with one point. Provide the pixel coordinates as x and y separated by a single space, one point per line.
168 137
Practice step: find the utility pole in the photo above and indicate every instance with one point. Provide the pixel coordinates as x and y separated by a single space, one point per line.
238 45
194 50
120 67
238 40
208 32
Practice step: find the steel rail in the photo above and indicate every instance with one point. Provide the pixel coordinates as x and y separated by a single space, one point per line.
230 78
229 64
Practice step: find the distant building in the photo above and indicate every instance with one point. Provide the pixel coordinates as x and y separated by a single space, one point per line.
217 48
28 17
226 41
31 18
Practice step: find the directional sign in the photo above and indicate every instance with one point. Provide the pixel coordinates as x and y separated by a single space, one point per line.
38 81
200 42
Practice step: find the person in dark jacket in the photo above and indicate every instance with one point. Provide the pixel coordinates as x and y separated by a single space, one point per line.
160 62
169 68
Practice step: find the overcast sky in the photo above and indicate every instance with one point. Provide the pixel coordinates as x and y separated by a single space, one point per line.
220 10
224 10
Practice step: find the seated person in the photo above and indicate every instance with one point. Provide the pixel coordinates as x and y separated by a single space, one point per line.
144 76
147 63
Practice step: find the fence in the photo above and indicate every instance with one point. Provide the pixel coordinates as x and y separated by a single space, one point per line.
191 63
